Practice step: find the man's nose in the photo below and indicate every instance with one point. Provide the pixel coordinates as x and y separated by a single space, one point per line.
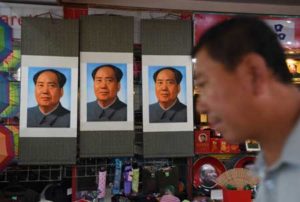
45 89
202 104
164 86
103 84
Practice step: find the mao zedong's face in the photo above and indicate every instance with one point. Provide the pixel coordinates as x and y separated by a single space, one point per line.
106 86
47 91
166 88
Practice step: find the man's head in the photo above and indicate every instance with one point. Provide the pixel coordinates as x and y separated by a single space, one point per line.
106 83
208 175
167 85
48 88
237 61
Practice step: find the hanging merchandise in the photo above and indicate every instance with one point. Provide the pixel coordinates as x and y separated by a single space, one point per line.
4 91
106 116
149 180
52 121
166 177
6 147
127 179
12 62
135 180
5 40
13 108
117 179
245 162
205 171
15 131
102 183
167 66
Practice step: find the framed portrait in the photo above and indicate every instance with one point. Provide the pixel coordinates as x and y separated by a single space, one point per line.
294 68
252 145
167 93
107 91
48 96
65 99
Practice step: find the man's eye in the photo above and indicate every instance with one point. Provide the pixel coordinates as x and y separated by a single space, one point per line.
171 82
201 84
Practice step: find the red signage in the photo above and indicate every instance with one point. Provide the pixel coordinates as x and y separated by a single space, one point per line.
286 28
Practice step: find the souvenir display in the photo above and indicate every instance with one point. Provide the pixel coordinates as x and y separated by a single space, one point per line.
205 172
102 183
245 162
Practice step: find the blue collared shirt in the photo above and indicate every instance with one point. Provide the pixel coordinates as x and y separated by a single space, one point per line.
281 182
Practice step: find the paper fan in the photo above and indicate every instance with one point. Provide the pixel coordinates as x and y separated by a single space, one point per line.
238 178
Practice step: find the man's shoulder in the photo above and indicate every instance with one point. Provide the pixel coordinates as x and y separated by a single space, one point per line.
180 106
63 110
154 105
119 105
93 103
92 106
33 109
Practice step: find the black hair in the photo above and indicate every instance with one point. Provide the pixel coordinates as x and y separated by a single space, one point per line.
117 71
178 75
60 76
229 41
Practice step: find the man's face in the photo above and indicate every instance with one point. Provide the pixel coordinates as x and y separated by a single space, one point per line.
166 88
208 175
224 98
47 90
106 86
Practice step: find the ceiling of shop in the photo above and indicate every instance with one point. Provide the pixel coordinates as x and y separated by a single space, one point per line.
98 2
281 2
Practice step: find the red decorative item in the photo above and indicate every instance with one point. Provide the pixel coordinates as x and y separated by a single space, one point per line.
206 170
74 12
215 145
236 195
224 146
235 148
6 147
244 162
202 141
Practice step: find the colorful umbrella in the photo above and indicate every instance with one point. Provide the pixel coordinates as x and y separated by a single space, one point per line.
15 131
5 40
12 62
4 91
13 107
6 147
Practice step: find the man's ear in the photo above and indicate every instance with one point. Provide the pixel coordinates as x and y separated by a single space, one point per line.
254 73
179 88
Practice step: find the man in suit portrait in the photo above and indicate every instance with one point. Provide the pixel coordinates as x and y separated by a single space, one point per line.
49 112
168 107
107 106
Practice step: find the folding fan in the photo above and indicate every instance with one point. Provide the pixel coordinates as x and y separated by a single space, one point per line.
238 178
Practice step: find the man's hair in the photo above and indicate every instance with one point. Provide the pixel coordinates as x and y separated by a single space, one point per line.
229 41
60 76
178 75
117 71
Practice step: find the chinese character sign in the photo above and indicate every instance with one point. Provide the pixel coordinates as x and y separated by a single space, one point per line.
285 30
